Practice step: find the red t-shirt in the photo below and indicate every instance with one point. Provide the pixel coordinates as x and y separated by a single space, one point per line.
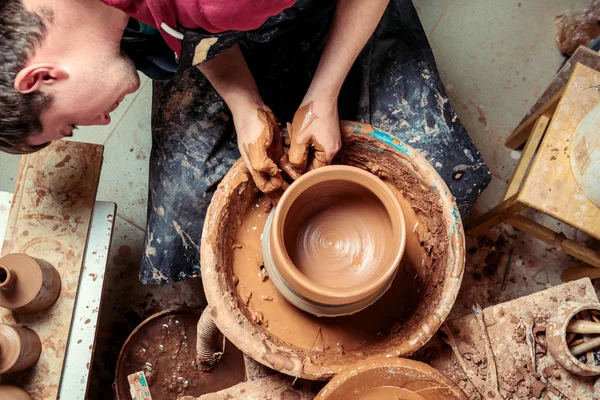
212 15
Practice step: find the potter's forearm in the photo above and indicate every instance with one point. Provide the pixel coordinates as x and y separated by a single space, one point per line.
353 25
230 76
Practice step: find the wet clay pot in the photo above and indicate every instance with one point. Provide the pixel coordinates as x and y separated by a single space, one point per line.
20 348
335 240
10 392
248 308
27 284
391 379
152 347
556 337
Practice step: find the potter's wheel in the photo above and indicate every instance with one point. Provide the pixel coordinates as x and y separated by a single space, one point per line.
585 155
252 313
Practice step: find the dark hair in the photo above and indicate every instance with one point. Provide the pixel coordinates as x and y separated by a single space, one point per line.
20 32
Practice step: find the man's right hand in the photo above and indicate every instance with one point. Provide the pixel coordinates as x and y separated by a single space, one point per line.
259 141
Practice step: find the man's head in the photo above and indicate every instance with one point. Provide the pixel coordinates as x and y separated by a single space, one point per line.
60 67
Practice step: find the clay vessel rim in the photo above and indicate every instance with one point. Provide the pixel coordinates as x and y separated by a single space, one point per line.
390 367
562 328
296 279
10 333
33 274
133 334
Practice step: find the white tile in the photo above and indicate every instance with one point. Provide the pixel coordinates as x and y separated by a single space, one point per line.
124 178
430 12
499 56
9 165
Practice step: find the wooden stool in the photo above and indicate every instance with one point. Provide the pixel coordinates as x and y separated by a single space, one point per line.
543 179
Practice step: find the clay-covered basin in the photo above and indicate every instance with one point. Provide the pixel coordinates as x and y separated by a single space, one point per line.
391 379
334 242
249 309
164 348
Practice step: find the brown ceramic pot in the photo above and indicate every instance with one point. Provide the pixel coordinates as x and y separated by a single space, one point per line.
10 392
556 337
20 348
27 284
391 379
333 244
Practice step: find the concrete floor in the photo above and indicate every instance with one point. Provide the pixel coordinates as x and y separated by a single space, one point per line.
495 57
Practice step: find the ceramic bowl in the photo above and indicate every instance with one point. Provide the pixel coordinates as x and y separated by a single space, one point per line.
339 191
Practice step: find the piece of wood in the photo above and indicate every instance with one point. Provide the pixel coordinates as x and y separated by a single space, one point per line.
520 135
574 273
583 326
493 217
49 219
583 55
528 152
547 235
550 186
585 347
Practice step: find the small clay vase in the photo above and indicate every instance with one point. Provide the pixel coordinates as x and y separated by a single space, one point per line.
20 348
10 392
556 338
27 284
334 242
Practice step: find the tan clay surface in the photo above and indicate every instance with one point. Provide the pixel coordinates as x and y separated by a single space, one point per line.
9 392
33 285
389 393
248 309
276 387
338 236
49 220
19 348
390 379
164 347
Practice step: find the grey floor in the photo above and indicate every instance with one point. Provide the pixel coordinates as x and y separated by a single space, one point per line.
495 58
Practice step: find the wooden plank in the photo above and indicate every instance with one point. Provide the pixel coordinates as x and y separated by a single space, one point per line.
528 152
500 213
547 235
582 55
573 273
520 135
550 186
50 217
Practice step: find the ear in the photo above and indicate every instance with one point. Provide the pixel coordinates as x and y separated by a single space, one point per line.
32 78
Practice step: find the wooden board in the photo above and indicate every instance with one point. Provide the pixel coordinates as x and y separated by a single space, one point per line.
582 55
50 218
550 186
510 351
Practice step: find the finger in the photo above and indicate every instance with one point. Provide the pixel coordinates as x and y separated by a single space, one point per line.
266 165
298 155
319 160
267 183
284 164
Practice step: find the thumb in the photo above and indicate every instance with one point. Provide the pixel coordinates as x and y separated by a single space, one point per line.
298 154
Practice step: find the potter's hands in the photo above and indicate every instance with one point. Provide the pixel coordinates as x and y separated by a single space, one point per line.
314 134
259 141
